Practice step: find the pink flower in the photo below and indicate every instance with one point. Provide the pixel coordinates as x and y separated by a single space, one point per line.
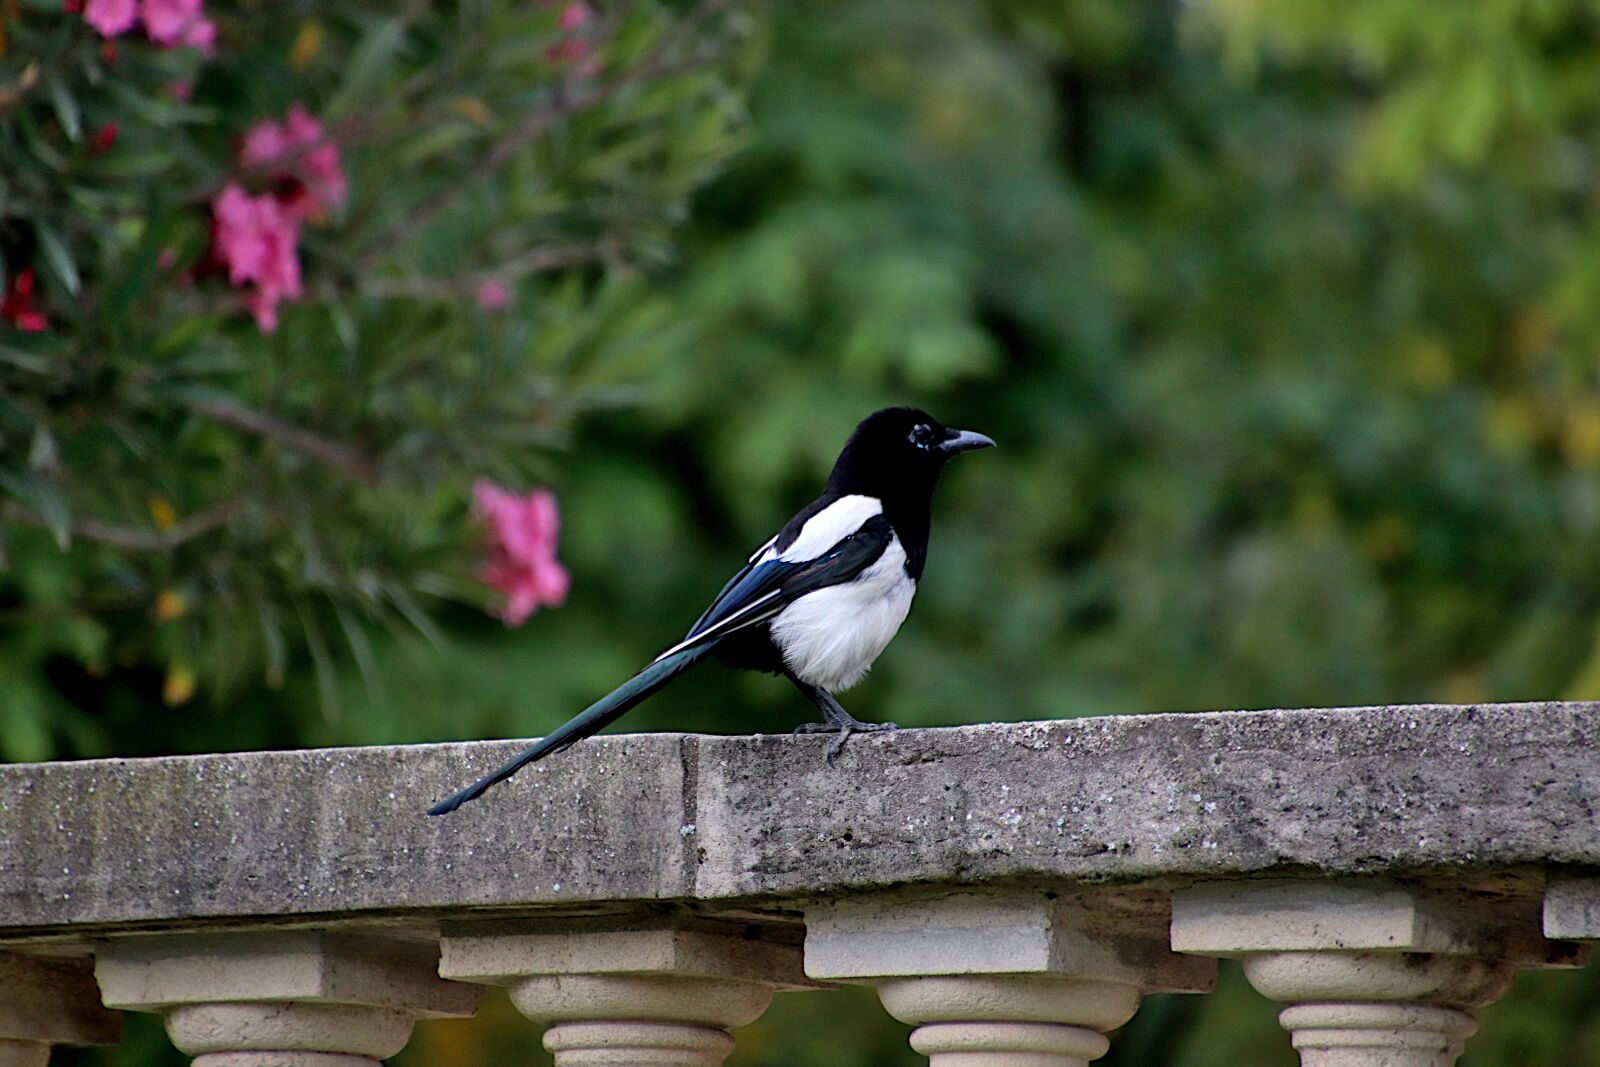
299 149
494 295
256 239
170 22
575 14
522 564
111 17
264 143
201 34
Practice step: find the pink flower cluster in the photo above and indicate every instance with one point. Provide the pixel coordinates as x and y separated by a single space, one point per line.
522 564
298 152
169 23
256 238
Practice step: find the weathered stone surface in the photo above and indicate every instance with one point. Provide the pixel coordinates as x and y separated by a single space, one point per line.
1572 908
866 936
302 835
156 971
334 831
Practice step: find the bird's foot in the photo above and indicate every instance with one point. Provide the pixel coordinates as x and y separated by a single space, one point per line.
844 730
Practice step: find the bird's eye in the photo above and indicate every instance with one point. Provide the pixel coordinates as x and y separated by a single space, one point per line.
922 435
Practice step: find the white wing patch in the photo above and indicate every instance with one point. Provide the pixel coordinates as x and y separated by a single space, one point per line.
751 612
762 551
831 525
830 637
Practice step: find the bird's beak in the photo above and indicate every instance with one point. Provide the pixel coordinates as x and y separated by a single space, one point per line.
964 441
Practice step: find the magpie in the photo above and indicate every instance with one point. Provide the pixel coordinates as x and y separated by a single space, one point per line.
820 600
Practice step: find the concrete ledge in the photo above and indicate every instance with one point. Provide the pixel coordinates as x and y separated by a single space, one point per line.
1455 793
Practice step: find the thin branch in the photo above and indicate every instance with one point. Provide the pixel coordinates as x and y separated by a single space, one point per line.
134 537
535 261
335 454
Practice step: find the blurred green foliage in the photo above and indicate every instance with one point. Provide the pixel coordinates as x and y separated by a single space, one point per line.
1284 313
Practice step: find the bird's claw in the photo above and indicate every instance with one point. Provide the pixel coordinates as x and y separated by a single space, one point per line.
844 730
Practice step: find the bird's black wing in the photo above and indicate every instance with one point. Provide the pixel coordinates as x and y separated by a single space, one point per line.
761 590
735 580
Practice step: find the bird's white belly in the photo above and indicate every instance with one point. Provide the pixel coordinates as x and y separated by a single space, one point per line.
830 638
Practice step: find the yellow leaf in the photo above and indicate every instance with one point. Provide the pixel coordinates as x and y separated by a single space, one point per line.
307 43
179 686
170 604
473 109
162 513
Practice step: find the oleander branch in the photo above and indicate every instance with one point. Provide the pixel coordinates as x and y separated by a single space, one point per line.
341 457
134 537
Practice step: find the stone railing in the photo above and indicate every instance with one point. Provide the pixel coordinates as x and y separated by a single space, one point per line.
1012 890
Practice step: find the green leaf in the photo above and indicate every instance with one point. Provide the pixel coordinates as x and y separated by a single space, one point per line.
58 258
28 361
277 648
188 330
321 662
413 613
66 110
44 499
361 647
366 65
435 141
44 454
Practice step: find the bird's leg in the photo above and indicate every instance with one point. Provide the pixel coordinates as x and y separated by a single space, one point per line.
837 720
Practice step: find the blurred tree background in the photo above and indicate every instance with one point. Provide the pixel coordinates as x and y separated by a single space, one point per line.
1285 313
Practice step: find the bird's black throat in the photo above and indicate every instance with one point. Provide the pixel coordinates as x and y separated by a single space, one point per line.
906 490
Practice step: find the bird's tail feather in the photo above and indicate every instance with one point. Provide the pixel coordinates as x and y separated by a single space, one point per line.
591 720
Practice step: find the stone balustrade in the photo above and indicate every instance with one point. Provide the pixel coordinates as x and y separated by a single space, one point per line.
1011 890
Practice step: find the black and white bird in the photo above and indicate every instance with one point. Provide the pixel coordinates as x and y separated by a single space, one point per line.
820 600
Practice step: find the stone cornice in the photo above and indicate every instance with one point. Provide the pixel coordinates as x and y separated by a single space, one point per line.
1466 795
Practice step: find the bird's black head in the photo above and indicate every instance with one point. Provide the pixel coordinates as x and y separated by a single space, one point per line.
898 452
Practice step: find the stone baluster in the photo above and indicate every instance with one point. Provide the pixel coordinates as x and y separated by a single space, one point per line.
45 1002
297 998
1376 975
1002 978
614 992
1572 908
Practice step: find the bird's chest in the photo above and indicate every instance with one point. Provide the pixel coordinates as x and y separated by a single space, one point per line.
830 638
